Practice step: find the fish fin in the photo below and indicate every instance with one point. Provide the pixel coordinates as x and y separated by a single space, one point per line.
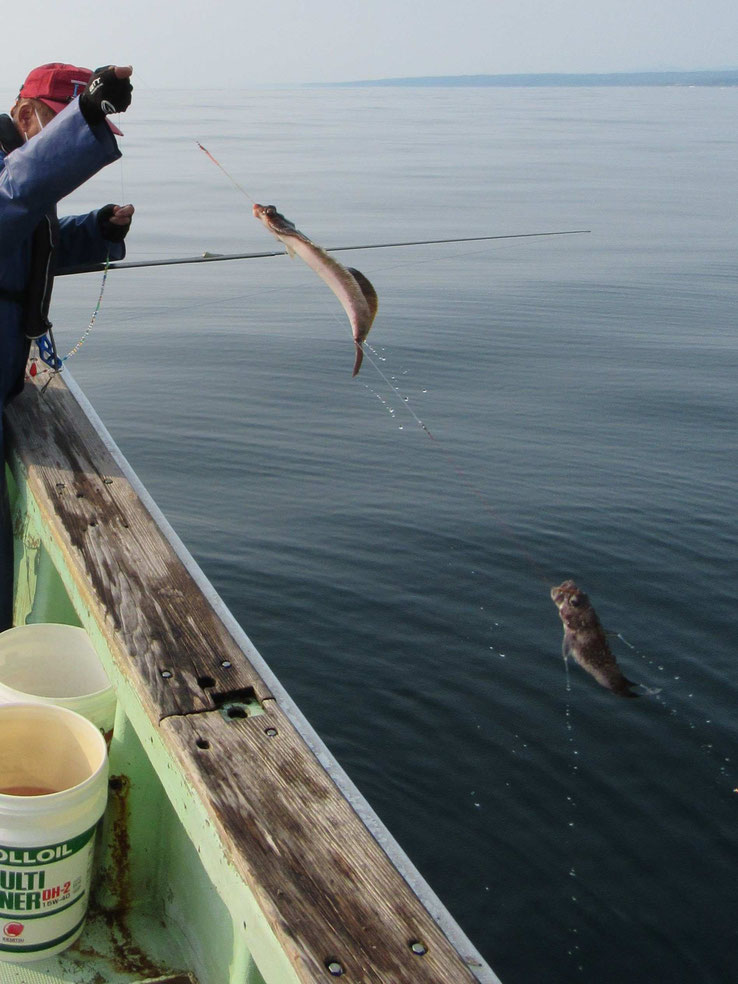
611 678
367 289
359 359
625 691
646 691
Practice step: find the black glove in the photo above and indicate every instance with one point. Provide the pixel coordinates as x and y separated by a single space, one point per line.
105 93
108 230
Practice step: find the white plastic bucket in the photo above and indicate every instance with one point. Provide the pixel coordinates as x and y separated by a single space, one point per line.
53 791
49 663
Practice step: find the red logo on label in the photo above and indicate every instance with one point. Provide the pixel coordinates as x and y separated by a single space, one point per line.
13 929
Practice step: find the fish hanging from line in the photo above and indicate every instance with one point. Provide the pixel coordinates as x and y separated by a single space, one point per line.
351 287
585 639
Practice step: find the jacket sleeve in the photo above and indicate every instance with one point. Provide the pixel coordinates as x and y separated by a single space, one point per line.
80 241
50 166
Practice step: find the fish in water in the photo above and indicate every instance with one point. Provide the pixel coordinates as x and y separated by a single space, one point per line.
351 287
585 639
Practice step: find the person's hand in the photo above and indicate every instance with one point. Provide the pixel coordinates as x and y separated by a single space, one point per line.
122 215
114 221
108 91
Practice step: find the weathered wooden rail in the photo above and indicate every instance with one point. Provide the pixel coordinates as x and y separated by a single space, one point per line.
309 881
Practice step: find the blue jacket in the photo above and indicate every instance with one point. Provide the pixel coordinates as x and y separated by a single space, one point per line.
33 178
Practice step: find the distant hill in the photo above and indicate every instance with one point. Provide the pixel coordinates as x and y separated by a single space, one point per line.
719 78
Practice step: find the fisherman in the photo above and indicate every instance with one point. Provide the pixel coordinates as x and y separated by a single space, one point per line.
55 138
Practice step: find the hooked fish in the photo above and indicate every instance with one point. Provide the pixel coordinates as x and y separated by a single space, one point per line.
585 639
351 287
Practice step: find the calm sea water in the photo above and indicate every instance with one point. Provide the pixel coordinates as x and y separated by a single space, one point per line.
581 396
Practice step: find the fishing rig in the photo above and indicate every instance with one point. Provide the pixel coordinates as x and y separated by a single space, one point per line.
46 345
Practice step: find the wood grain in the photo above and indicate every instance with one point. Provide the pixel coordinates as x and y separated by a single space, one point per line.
330 894
144 599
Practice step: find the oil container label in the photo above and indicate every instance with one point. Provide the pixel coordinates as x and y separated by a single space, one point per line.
44 893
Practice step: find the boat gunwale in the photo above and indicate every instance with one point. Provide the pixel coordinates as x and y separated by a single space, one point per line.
469 955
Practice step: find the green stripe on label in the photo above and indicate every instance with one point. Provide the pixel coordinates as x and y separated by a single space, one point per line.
12 856
42 946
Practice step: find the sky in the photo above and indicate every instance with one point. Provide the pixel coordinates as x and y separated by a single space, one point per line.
241 43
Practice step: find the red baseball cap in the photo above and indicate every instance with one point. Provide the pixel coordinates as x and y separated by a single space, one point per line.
56 85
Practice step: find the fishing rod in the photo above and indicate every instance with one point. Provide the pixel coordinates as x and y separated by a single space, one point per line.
220 257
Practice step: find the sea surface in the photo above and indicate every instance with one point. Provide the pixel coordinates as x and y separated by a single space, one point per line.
529 410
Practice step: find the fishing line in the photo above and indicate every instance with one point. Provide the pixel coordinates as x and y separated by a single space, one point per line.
689 719
227 174
33 367
483 500
210 302
404 400
120 163
53 371
573 948
225 299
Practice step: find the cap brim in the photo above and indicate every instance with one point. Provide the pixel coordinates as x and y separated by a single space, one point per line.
57 107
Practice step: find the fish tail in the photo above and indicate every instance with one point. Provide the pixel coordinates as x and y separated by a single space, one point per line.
623 688
359 359
367 289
